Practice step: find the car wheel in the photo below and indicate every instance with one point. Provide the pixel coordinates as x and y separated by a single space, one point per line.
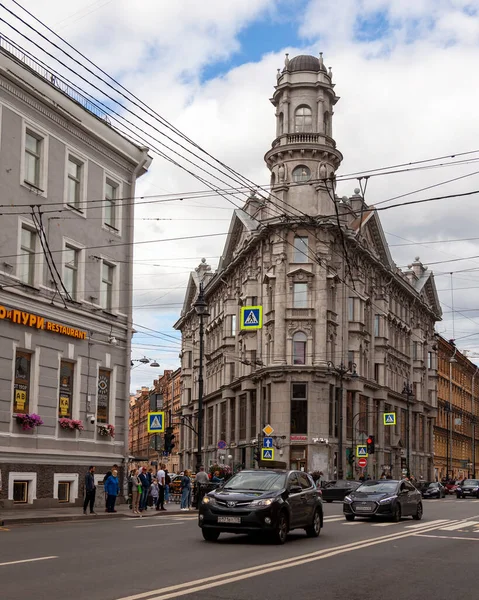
315 528
349 517
418 515
281 529
397 514
210 535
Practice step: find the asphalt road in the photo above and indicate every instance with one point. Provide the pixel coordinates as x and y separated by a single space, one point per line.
153 559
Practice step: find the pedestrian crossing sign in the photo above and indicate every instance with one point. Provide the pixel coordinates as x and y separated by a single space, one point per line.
390 418
267 453
156 422
362 451
251 317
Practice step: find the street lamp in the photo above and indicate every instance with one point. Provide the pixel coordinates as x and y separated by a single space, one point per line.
341 370
144 361
201 309
408 392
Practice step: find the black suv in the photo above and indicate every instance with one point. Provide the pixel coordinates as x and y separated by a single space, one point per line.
264 501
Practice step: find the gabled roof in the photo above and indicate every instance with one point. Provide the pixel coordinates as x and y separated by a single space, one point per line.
241 226
426 286
370 232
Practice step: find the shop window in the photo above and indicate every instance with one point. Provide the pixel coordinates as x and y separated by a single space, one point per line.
64 491
66 390
20 492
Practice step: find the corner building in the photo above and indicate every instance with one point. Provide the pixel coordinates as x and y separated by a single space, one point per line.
65 284
331 296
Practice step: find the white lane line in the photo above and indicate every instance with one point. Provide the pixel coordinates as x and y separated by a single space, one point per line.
27 560
447 537
199 585
383 524
349 523
437 522
459 526
159 525
332 519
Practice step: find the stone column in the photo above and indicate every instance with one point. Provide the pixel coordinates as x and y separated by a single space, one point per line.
320 116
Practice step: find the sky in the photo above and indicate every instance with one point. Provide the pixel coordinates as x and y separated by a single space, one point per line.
406 73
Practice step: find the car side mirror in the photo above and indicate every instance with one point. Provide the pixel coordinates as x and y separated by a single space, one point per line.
295 489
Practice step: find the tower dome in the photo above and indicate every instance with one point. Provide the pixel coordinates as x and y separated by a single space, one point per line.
305 62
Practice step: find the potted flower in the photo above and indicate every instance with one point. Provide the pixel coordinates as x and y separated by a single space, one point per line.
29 422
71 424
106 430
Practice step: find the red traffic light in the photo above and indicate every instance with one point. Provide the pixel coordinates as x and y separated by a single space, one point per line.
370 440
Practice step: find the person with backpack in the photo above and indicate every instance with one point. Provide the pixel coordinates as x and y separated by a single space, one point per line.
167 486
145 488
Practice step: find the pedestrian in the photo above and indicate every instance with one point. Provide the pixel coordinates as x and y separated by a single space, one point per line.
154 491
90 491
161 477
216 477
200 482
135 493
108 474
145 489
112 488
167 486
185 490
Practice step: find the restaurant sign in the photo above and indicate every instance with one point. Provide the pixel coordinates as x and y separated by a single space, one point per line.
30 320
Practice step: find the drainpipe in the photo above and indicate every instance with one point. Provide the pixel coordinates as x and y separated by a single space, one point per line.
473 424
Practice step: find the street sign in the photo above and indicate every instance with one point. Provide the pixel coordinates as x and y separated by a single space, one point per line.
361 451
267 442
221 445
268 430
251 317
362 462
267 453
156 422
390 418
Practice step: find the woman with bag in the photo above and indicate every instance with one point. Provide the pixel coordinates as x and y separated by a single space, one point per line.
135 490
185 490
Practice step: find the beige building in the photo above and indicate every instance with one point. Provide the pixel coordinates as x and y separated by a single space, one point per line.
331 295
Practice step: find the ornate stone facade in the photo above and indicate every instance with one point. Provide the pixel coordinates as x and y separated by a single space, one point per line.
331 295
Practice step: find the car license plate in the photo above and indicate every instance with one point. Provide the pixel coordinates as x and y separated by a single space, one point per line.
229 519
467 492
364 508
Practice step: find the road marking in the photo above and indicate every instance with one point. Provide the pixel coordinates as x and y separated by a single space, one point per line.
26 560
437 522
4 529
383 524
332 519
199 585
448 537
158 525
459 526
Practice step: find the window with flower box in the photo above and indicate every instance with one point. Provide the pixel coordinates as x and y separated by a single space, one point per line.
66 389
103 397
21 386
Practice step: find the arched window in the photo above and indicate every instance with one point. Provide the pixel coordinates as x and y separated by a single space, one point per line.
280 124
299 348
301 174
303 120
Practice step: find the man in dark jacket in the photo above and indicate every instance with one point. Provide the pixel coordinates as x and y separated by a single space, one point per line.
90 491
145 488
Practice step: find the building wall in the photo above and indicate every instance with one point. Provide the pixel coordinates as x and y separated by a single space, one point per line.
86 332
456 435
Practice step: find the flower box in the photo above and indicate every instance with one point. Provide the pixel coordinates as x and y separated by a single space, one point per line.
28 422
106 430
71 424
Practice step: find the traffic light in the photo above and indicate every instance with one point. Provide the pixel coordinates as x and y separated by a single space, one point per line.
169 437
257 455
370 443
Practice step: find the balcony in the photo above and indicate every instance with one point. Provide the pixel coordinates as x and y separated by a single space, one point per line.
288 139
300 313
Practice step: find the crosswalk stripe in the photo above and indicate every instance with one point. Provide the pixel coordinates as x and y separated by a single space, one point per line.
437 522
458 526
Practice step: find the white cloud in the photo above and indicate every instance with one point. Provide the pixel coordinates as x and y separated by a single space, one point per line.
409 95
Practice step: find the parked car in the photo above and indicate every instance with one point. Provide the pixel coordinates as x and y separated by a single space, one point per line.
267 502
384 498
337 490
451 486
432 489
469 488
175 485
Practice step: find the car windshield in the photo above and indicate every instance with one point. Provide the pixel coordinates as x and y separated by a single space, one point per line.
378 487
260 481
471 482
433 485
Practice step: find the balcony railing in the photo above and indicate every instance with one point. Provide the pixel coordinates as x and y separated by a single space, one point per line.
27 59
303 138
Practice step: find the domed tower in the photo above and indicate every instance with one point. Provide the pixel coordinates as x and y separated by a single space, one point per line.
304 153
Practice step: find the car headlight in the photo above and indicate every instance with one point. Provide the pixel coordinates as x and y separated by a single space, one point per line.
387 500
348 499
208 500
458 489
262 502
475 489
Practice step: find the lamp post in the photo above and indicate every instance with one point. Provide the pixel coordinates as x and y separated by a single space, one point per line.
341 371
408 392
449 448
201 309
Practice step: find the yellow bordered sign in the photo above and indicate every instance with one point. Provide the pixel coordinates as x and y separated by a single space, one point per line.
251 317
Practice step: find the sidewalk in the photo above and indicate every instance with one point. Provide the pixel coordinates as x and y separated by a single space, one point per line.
52 515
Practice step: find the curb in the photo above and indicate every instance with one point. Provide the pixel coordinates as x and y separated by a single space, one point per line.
72 518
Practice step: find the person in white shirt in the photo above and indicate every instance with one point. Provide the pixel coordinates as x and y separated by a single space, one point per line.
160 476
